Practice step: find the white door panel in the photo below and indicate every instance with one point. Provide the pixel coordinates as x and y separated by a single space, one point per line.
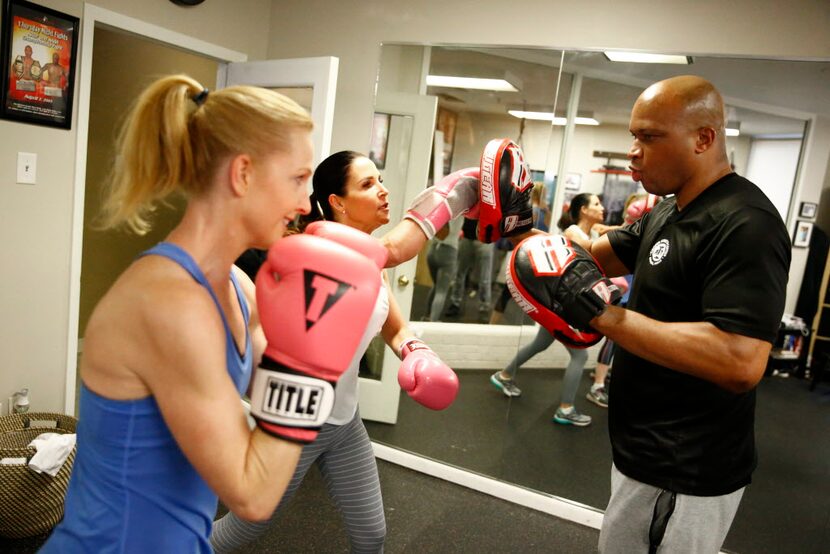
317 74
406 171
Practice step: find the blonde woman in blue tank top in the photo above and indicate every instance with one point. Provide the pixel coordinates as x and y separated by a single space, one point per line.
170 347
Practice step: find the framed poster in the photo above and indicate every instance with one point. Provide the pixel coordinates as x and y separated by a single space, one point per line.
573 181
380 139
803 230
38 51
446 121
808 210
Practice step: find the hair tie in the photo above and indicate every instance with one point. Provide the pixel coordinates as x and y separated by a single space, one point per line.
201 97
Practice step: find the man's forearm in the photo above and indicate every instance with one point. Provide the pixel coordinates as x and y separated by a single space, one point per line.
700 349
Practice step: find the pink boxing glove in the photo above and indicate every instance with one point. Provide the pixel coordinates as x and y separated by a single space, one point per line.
315 298
349 236
621 283
639 207
424 377
455 194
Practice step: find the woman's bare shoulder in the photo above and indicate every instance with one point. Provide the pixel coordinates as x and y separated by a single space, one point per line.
152 311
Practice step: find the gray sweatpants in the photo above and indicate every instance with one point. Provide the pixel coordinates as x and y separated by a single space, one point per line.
697 524
347 462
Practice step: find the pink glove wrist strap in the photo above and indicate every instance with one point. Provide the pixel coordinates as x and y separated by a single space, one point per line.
410 345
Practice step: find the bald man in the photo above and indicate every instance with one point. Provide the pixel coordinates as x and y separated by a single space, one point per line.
710 267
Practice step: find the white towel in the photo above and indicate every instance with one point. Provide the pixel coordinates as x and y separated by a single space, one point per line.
52 451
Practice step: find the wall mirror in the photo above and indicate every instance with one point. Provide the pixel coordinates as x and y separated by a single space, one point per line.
770 104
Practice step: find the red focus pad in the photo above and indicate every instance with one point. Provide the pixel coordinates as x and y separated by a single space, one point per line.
504 195
559 285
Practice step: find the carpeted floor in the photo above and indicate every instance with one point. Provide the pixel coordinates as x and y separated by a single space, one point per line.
786 509
423 515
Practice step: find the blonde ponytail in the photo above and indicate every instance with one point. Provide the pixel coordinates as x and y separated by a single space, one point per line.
177 135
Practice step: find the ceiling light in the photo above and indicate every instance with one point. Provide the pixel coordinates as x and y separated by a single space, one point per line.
639 57
469 83
547 116
733 128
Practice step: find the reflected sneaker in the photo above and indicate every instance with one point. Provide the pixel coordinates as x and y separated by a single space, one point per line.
507 386
598 396
571 417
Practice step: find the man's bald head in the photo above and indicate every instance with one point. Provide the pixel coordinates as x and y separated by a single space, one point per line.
679 135
694 100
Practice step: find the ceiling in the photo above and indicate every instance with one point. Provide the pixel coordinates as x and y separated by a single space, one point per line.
767 97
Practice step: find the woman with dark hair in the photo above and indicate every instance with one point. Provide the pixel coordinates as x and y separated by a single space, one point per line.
348 189
576 223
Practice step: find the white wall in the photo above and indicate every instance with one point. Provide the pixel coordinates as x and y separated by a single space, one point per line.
353 31
460 346
36 221
772 166
474 129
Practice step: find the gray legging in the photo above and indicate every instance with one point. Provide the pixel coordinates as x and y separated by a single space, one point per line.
443 261
573 372
469 252
347 462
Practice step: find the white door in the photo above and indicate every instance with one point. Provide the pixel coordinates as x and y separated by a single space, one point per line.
312 82
407 147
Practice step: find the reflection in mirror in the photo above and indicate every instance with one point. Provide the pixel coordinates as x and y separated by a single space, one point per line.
460 279
513 438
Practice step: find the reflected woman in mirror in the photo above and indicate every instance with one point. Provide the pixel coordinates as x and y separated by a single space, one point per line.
348 189
442 259
635 206
576 223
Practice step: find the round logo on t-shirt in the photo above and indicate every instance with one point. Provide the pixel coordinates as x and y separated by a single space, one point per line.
659 251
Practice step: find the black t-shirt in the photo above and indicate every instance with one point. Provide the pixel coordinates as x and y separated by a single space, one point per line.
723 259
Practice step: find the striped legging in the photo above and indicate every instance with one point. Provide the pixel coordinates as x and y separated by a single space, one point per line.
345 458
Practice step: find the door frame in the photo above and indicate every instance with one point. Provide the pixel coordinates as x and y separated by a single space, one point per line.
319 73
379 397
95 15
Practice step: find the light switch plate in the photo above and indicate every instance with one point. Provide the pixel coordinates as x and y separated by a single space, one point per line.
26 168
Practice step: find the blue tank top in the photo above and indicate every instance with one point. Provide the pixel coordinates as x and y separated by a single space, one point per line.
132 489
